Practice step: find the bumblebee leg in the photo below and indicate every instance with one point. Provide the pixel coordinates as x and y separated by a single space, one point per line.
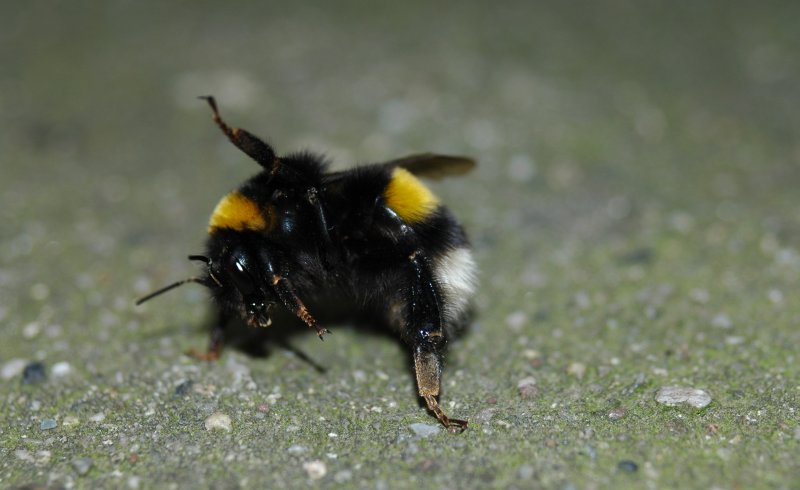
424 326
216 341
283 289
245 141
428 367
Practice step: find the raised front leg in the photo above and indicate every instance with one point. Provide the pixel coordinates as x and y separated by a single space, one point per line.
285 293
423 324
216 340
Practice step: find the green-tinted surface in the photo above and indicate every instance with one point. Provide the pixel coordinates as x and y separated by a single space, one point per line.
635 215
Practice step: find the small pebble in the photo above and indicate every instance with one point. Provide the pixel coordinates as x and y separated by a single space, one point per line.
315 469
516 320
343 476
521 168
674 395
527 387
33 373
628 466
218 420
617 413
70 420
184 387
776 296
48 424
721 320
534 357
82 465
424 430
700 296
40 291
734 340
13 368
98 417
660 371
61 369
526 472
31 330
577 369
426 465
24 455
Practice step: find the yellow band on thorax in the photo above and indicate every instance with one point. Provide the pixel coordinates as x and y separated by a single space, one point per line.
408 197
237 212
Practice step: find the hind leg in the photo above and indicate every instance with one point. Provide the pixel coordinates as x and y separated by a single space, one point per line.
428 368
424 329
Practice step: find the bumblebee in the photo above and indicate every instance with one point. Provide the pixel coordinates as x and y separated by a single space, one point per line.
374 233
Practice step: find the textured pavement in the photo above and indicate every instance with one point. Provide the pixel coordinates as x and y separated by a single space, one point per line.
634 214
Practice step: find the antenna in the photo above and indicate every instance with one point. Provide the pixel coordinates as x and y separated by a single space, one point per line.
198 280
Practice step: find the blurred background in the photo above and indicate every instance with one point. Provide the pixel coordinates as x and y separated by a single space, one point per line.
634 213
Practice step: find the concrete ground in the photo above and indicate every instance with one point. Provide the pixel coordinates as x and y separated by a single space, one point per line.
634 213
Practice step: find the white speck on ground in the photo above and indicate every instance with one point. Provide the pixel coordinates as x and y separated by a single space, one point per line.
659 371
297 449
31 330
721 320
734 340
61 369
516 320
775 296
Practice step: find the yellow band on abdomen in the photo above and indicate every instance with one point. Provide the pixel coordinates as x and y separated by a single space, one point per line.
408 197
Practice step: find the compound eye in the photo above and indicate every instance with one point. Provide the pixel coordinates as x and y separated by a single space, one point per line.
240 275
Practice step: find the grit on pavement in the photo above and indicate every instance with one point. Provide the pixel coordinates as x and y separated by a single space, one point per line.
635 215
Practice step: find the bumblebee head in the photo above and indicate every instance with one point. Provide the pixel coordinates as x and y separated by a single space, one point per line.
236 281
241 281
280 202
